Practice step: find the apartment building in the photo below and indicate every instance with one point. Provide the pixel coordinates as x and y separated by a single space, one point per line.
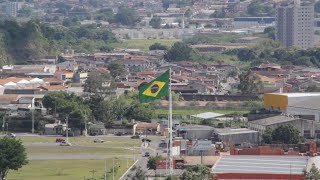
295 24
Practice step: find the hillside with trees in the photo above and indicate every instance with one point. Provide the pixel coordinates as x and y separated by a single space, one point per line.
20 42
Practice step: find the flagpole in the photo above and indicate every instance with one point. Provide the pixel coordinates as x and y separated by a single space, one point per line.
170 126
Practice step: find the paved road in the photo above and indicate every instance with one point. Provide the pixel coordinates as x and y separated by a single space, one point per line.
142 161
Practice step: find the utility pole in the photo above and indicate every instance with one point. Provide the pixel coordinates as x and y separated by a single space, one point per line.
105 169
67 131
32 116
113 169
55 106
85 124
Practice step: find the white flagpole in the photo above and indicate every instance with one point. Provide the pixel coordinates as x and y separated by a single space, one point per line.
170 125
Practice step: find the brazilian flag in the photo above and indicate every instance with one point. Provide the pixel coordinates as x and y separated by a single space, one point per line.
156 89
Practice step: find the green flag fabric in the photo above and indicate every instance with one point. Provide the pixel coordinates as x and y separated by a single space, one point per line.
156 89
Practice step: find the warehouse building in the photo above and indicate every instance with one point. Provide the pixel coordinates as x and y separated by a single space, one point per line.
239 137
301 109
195 132
308 128
294 103
260 167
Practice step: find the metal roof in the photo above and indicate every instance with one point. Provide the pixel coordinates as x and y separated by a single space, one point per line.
229 131
273 120
261 164
309 94
207 115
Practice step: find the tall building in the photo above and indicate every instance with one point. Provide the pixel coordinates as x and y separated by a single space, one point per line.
295 24
12 8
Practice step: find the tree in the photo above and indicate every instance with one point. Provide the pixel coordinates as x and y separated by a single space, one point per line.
152 162
218 14
138 111
155 22
313 174
271 32
25 11
246 54
249 83
68 105
179 52
12 155
267 136
197 172
140 174
127 16
158 46
99 84
286 134
188 13
313 88
116 69
257 9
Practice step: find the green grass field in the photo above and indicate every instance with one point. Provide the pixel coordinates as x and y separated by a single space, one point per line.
82 145
143 44
69 169
197 111
108 141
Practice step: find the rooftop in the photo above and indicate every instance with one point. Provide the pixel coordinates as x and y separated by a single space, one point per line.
207 115
297 94
261 164
273 120
229 131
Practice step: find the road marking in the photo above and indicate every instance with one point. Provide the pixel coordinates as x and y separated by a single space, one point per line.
129 169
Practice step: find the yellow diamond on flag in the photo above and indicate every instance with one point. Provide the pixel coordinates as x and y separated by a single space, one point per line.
154 88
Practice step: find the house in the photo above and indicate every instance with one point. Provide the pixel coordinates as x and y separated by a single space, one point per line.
53 88
146 128
13 70
54 129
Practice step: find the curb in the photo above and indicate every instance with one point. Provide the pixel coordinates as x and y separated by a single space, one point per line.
129 169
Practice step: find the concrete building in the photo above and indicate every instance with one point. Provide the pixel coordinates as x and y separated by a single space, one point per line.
245 22
294 103
12 8
241 136
307 128
195 132
295 24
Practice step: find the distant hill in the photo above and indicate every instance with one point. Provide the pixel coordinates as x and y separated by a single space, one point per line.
20 42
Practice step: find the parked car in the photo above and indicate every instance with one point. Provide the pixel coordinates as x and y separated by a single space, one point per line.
146 154
98 140
118 133
70 134
58 140
137 136
146 139
64 143
12 135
